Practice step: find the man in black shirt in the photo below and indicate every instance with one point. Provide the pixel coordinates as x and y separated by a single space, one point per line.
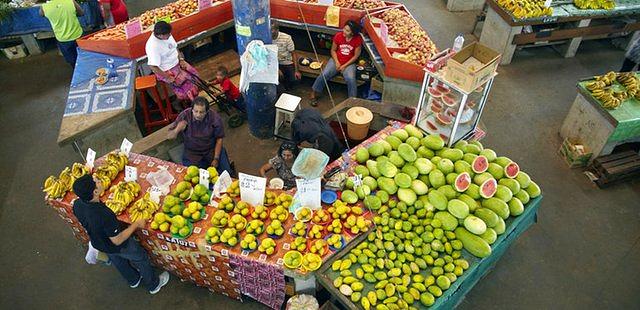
108 235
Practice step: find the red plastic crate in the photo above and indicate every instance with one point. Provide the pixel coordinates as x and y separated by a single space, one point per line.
182 28
315 13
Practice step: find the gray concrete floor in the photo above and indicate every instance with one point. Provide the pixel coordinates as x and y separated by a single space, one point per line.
582 253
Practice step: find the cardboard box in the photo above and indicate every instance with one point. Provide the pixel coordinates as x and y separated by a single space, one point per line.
466 77
575 153
15 52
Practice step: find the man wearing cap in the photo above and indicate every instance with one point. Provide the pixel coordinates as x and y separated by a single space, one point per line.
107 235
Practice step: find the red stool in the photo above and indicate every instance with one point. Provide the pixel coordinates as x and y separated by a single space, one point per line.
149 83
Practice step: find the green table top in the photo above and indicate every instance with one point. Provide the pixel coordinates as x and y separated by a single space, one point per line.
625 119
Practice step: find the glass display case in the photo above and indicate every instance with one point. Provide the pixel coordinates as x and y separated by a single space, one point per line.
448 111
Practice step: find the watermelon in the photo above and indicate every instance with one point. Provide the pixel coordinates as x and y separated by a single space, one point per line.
434 92
511 170
443 119
448 100
480 164
488 188
462 182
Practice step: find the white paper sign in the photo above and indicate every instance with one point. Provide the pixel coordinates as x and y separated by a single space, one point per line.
223 182
91 158
326 2
357 180
252 189
308 193
125 147
547 3
204 177
154 194
130 173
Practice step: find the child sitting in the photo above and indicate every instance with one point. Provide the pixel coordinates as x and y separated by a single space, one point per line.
230 91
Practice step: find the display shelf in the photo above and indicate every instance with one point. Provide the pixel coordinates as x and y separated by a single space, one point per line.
313 13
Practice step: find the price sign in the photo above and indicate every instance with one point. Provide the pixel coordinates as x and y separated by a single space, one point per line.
357 180
326 2
384 32
547 3
309 193
133 28
252 188
203 4
91 158
204 177
224 181
155 193
130 173
126 146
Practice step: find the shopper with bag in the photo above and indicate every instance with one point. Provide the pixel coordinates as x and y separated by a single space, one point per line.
108 235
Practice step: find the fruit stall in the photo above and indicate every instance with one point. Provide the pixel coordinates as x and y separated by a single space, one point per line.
512 24
605 113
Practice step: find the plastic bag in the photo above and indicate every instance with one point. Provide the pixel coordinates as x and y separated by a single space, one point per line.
310 164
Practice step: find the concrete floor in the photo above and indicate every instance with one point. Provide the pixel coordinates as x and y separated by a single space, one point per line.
582 253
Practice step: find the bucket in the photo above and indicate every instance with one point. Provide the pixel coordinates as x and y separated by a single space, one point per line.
358 121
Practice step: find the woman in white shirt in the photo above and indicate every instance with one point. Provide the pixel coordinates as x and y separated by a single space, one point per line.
167 63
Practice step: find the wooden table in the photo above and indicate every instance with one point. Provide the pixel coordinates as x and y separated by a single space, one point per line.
599 129
312 73
567 26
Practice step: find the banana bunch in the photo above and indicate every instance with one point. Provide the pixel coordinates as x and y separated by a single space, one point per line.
117 159
143 208
630 82
521 9
123 194
57 187
608 98
114 163
595 4
608 78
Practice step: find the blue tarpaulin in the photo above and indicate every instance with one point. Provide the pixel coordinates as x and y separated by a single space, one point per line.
28 20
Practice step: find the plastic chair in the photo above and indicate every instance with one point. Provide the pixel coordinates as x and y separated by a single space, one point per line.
286 108
149 83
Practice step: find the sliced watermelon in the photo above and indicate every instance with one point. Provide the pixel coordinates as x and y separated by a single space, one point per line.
462 182
434 93
480 164
511 170
436 106
444 137
488 188
452 112
432 126
443 89
443 119
448 100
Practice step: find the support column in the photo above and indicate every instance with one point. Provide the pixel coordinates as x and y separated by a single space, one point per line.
253 22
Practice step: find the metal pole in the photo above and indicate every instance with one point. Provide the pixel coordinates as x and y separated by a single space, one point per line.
253 22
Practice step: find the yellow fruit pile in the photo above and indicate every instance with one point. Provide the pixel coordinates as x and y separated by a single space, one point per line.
161 222
335 226
259 212
179 226
315 232
123 194
114 163
339 210
213 175
279 213
335 241
320 216
213 235
318 247
143 208
526 8
299 244
595 4
408 33
220 218
238 222
269 198
249 242
275 228
311 261
284 200
200 194
234 189
58 187
255 227
172 204
357 224
193 175
293 259
241 208
226 204
183 190
299 229
303 214
630 81
602 89
229 236
193 211
267 246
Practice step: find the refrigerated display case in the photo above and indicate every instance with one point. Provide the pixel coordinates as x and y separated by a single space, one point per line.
448 111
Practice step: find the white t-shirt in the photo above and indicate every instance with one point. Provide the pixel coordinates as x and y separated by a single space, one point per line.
162 53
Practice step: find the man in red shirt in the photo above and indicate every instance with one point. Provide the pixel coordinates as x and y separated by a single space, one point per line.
345 50
113 12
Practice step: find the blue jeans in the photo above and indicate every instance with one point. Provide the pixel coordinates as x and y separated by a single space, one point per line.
69 51
132 262
330 70
205 161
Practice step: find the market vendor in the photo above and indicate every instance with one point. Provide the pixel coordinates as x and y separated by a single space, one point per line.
345 50
63 16
113 12
108 235
168 64
287 67
202 131
282 164
309 126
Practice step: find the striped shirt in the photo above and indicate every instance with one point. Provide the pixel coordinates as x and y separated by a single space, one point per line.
285 47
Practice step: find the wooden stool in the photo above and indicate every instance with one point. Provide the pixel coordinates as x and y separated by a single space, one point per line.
286 107
149 83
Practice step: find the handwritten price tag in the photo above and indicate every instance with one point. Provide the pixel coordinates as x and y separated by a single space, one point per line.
204 177
203 4
126 146
309 193
384 32
133 28
252 188
91 158
224 181
155 193
130 173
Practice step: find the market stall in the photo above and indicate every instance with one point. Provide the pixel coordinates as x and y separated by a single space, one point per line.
512 24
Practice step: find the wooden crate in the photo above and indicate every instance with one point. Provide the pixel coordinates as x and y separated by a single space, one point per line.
616 168
182 28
